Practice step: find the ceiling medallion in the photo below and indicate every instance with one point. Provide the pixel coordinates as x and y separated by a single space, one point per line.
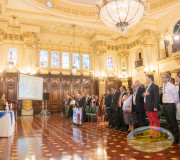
49 4
121 15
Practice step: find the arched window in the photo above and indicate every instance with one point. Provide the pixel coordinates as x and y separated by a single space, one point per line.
176 39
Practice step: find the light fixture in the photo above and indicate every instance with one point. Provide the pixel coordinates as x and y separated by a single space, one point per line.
74 69
121 15
176 38
10 66
124 74
149 71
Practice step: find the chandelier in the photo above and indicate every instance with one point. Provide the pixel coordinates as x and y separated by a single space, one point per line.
121 15
124 74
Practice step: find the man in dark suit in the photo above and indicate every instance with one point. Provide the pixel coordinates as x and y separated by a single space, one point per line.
138 103
120 123
109 109
82 104
151 98
115 99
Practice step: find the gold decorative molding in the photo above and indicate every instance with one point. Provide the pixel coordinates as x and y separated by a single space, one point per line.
100 47
147 38
176 57
27 105
55 72
66 9
66 73
43 71
88 73
141 68
125 82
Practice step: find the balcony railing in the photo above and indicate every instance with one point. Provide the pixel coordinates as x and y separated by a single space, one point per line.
139 63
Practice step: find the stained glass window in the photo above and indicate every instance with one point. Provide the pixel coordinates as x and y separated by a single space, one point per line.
54 59
86 62
65 60
109 63
12 56
76 60
43 58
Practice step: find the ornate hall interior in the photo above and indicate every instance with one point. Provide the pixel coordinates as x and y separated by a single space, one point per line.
73 47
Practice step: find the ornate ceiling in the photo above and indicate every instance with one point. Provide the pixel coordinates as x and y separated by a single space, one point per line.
58 16
91 2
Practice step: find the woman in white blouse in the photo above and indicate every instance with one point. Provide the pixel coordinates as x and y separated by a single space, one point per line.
129 116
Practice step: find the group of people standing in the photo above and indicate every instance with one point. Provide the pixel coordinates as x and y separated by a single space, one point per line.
129 106
81 100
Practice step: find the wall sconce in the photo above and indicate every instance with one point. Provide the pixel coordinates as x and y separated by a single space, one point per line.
149 71
101 76
74 70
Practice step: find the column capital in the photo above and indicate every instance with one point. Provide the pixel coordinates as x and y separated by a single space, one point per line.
100 47
30 39
147 38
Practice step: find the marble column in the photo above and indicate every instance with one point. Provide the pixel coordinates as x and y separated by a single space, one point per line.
29 59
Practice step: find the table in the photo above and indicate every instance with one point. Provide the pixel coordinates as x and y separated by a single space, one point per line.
7 123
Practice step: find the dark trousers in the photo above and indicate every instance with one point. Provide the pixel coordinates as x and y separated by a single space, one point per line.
141 119
169 111
117 117
108 113
111 116
84 116
119 123
70 112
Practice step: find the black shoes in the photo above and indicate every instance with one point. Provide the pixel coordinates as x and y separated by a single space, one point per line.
128 131
176 142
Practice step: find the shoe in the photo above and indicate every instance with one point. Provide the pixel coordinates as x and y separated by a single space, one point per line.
128 131
176 142
124 130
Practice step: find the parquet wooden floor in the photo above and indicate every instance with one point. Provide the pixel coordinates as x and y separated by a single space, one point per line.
37 138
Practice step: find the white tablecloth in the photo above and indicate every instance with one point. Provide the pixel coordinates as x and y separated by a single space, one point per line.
7 124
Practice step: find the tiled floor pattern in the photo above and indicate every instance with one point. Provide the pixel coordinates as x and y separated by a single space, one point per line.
56 138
